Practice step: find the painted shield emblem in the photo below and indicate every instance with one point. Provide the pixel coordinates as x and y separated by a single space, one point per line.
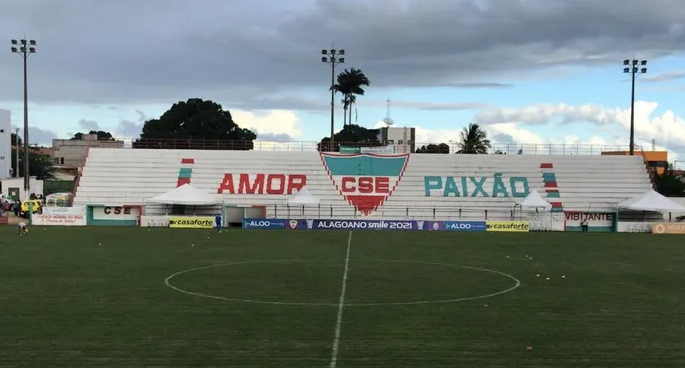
365 180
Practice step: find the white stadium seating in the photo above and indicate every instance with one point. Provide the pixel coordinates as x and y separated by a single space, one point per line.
583 183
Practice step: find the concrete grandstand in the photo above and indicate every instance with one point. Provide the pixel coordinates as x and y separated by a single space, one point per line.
390 186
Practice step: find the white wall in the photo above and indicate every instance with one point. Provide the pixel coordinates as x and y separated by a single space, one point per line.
5 144
35 185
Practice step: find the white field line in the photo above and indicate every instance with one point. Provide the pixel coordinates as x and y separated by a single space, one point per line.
341 306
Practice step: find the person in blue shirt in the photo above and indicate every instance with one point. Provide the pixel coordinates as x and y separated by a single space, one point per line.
217 222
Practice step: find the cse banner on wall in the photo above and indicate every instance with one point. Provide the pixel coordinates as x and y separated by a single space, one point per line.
668 228
508 226
191 222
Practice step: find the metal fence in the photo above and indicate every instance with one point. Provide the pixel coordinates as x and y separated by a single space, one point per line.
312 146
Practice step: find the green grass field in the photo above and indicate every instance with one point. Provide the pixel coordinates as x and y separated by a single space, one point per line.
97 297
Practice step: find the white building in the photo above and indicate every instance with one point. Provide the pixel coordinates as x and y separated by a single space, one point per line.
402 138
5 144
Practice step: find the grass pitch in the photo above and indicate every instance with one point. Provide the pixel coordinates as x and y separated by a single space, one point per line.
96 297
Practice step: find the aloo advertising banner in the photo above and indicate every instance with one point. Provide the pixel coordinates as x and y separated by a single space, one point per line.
364 225
465 225
261 223
508 226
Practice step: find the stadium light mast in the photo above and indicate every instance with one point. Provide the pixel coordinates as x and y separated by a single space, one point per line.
25 48
333 57
633 67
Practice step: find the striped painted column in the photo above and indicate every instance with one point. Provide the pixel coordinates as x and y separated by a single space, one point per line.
551 188
185 172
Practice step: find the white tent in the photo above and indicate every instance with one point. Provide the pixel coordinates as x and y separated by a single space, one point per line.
303 198
650 201
186 195
534 200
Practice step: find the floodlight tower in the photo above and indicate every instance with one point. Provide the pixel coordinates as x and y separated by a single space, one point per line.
333 57
633 67
25 48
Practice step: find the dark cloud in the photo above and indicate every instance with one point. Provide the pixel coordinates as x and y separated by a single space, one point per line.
244 51
128 129
38 136
88 125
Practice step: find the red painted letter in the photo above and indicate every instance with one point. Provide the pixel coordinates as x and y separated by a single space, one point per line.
345 187
366 185
226 185
382 185
278 187
257 185
296 182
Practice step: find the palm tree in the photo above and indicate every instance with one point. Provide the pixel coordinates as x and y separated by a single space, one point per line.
350 83
473 140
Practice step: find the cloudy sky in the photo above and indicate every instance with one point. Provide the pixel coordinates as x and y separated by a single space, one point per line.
530 71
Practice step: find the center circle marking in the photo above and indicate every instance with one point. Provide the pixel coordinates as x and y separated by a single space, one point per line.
167 282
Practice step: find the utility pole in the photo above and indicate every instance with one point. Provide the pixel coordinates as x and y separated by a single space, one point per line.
632 67
16 143
25 48
333 57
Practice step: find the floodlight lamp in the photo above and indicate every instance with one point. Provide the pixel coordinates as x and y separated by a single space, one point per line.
634 62
626 62
22 49
14 49
634 70
333 51
643 62
643 70
14 42
626 70
32 42
32 50
324 59
23 41
341 52
341 60
324 52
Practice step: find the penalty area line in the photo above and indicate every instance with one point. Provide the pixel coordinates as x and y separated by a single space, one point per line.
341 306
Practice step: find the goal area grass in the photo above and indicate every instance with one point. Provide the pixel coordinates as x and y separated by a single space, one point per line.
134 297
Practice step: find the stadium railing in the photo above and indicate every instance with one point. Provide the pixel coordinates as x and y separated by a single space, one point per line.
312 146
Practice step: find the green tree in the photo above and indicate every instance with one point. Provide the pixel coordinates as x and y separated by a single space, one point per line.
351 84
434 148
351 135
14 139
195 124
40 165
669 184
474 140
101 134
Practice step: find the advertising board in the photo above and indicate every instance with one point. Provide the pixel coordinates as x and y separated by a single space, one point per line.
116 213
465 226
59 220
364 225
634 227
596 221
52 210
261 223
297 225
431 225
668 228
191 222
508 226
